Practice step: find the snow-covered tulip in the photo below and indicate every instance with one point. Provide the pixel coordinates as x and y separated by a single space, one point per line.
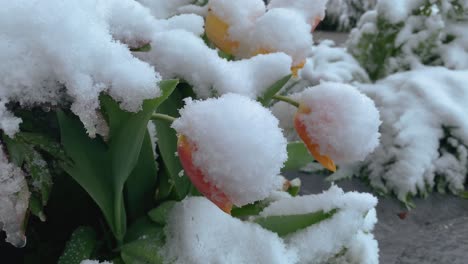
283 30
312 10
231 148
337 123
228 22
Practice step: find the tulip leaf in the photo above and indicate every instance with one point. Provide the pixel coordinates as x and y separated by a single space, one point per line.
80 246
159 214
287 224
141 184
143 251
249 209
90 167
298 156
265 99
143 227
167 145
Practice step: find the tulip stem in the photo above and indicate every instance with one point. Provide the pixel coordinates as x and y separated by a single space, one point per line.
286 100
167 118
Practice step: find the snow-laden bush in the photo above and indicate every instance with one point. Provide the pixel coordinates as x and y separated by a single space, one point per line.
97 139
343 15
403 35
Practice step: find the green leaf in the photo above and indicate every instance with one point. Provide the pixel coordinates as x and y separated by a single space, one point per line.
127 132
23 154
144 48
287 224
159 214
80 246
249 209
91 167
167 145
141 184
143 251
143 227
272 90
298 156
463 194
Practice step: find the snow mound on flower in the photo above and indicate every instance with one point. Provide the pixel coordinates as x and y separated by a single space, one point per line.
199 232
69 44
320 243
239 146
14 201
240 15
282 29
424 132
163 9
325 62
343 121
182 54
309 9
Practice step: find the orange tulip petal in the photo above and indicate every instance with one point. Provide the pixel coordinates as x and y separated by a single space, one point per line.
185 149
217 31
313 148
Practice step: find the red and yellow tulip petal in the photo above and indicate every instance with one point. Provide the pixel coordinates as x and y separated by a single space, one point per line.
217 31
313 148
185 149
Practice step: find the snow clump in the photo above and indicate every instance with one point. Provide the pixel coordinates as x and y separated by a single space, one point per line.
342 121
44 53
355 216
424 132
239 146
199 232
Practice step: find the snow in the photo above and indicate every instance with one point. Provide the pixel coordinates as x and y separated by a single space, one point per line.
309 9
163 9
73 48
415 106
326 62
240 15
355 214
88 261
397 10
405 35
14 201
199 232
246 172
342 121
282 29
344 14
177 53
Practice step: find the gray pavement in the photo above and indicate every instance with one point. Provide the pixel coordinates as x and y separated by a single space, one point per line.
436 231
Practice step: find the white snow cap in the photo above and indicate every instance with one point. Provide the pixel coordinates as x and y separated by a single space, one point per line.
343 121
198 232
282 29
240 15
181 54
309 9
321 242
239 146
70 43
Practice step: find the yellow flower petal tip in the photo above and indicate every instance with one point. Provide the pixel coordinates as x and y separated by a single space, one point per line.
313 148
217 32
